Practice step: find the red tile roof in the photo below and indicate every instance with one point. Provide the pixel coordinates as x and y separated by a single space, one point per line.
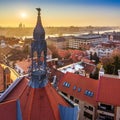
89 68
63 53
24 64
77 55
108 91
86 60
36 104
80 82
8 111
58 74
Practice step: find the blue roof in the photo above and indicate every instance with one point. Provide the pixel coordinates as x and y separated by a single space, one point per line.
68 113
19 113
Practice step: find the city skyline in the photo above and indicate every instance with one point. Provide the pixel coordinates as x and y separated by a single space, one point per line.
60 13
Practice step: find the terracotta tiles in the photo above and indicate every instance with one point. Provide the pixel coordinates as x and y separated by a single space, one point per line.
108 91
77 87
35 104
8 110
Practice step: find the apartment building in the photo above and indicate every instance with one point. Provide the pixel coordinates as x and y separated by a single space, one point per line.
82 91
97 99
58 42
83 41
108 99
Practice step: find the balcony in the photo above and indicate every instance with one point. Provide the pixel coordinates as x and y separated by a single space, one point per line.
105 117
106 109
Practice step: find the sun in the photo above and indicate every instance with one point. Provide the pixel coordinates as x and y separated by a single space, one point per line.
23 15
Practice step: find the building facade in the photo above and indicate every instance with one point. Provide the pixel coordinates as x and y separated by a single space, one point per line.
97 99
58 42
83 41
82 91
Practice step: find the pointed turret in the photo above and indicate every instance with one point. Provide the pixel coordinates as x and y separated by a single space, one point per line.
39 32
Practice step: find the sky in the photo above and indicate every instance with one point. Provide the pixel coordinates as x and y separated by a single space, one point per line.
60 12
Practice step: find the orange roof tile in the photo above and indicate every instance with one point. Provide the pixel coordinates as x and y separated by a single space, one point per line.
58 74
24 64
8 110
89 68
108 91
81 83
35 104
86 60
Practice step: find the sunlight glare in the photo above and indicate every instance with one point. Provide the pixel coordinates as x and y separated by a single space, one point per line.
23 15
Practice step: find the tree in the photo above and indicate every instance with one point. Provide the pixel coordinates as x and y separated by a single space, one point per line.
116 64
26 50
111 64
96 58
91 56
95 75
54 51
16 55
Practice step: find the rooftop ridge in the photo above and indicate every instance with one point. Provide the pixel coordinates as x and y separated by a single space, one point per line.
50 102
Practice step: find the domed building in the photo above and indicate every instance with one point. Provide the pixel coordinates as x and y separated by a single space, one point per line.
33 97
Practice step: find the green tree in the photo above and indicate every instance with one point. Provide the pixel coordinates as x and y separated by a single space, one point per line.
91 56
95 75
112 64
26 50
116 64
96 58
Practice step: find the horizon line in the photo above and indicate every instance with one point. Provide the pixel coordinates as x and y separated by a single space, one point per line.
62 26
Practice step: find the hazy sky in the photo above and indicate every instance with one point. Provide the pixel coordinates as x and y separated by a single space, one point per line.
60 12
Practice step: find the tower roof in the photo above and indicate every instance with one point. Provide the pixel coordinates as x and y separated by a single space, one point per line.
23 102
35 104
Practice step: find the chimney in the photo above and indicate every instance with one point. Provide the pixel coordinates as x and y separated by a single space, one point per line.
101 72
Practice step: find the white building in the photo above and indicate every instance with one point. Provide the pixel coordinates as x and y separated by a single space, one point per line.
83 41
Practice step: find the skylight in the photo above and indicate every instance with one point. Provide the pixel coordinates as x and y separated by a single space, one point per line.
79 89
89 93
66 84
74 88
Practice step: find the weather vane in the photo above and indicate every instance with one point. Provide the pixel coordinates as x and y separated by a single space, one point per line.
38 9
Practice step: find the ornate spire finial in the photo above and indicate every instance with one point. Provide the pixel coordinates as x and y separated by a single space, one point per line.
39 32
38 9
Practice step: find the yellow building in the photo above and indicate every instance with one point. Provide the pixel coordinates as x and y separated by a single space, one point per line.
7 76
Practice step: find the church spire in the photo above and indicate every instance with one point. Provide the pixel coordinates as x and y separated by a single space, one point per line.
38 46
39 32
39 17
